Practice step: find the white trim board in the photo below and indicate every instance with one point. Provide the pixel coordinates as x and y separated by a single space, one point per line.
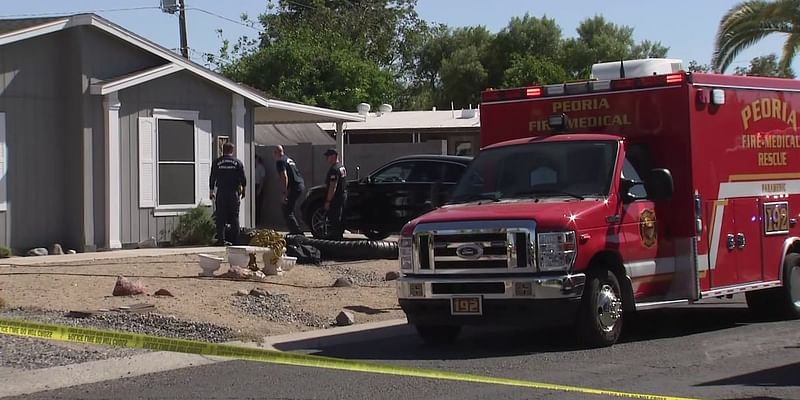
106 87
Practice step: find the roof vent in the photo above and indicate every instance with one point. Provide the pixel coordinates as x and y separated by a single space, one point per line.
363 108
636 68
385 108
467 114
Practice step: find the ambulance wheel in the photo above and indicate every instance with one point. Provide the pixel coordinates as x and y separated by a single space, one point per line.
438 334
600 315
789 298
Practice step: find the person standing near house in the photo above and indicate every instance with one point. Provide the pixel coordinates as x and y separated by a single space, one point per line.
336 197
228 178
292 186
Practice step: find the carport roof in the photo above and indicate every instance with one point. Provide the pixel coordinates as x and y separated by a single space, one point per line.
267 111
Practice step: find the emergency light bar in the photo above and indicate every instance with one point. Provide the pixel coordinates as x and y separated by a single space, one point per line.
572 88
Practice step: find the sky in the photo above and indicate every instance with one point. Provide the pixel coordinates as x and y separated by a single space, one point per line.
687 27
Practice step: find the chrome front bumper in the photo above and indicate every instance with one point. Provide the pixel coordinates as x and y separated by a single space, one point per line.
412 287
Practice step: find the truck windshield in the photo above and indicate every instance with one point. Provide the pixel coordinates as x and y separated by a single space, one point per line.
576 169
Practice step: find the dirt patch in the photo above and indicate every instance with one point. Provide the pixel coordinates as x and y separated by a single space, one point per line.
301 299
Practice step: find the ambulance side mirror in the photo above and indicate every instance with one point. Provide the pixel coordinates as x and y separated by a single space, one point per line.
659 185
629 195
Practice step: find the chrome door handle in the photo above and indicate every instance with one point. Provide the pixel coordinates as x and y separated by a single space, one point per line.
740 241
731 242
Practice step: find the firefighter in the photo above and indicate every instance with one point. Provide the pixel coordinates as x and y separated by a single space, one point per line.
292 186
336 195
228 178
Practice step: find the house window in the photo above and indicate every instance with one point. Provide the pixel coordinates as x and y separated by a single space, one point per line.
176 162
175 149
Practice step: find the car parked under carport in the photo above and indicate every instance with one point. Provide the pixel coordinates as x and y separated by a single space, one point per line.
379 204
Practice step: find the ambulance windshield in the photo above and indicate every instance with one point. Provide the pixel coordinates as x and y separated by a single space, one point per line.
576 169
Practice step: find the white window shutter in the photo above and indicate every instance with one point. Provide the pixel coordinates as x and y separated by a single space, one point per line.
203 157
3 164
147 162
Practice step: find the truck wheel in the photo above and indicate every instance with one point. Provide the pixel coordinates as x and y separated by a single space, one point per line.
600 315
789 298
438 334
320 227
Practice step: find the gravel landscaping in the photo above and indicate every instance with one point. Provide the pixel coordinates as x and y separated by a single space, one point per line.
148 323
278 308
203 308
357 276
30 353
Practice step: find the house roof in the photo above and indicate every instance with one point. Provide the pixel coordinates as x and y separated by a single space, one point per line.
12 25
270 110
396 121
292 134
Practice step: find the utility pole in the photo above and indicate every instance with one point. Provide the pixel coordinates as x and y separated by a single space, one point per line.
182 22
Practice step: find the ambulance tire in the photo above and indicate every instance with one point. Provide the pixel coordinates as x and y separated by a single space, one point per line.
790 292
438 334
600 316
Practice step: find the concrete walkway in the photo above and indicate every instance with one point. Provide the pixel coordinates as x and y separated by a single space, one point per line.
109 255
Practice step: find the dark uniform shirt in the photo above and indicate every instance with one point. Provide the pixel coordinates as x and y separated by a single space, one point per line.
227 174
295 179
337 174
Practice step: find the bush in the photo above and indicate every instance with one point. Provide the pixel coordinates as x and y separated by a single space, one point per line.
195 228
2 303
5 252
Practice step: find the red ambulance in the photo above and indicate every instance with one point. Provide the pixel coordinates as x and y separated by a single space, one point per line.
645 187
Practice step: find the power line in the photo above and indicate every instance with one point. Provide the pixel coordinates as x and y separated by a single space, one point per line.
80 12
225 18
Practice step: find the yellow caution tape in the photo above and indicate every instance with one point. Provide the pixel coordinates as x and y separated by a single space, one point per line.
139 341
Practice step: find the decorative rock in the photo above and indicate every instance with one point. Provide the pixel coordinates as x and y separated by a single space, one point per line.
124 287
70 251
242 292
343 282
148 243
39 251
258 292
345 318
57 250
392 275
163 292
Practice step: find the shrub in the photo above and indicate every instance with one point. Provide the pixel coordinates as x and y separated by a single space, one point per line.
5 252
195 228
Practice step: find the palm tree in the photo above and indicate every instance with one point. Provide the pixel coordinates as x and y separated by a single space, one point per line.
752 20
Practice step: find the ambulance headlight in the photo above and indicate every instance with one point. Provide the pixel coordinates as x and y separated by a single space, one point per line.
406 252
557 250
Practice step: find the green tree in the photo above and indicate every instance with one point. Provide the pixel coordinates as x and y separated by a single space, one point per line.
600 41
531 70
694 66
748 22
539 38
329 53
462 73
764 66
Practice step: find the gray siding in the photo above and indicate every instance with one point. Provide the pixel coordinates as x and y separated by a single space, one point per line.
103 57
52 118
32 96
180 91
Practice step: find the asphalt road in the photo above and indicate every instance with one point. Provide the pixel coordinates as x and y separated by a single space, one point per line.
714 351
